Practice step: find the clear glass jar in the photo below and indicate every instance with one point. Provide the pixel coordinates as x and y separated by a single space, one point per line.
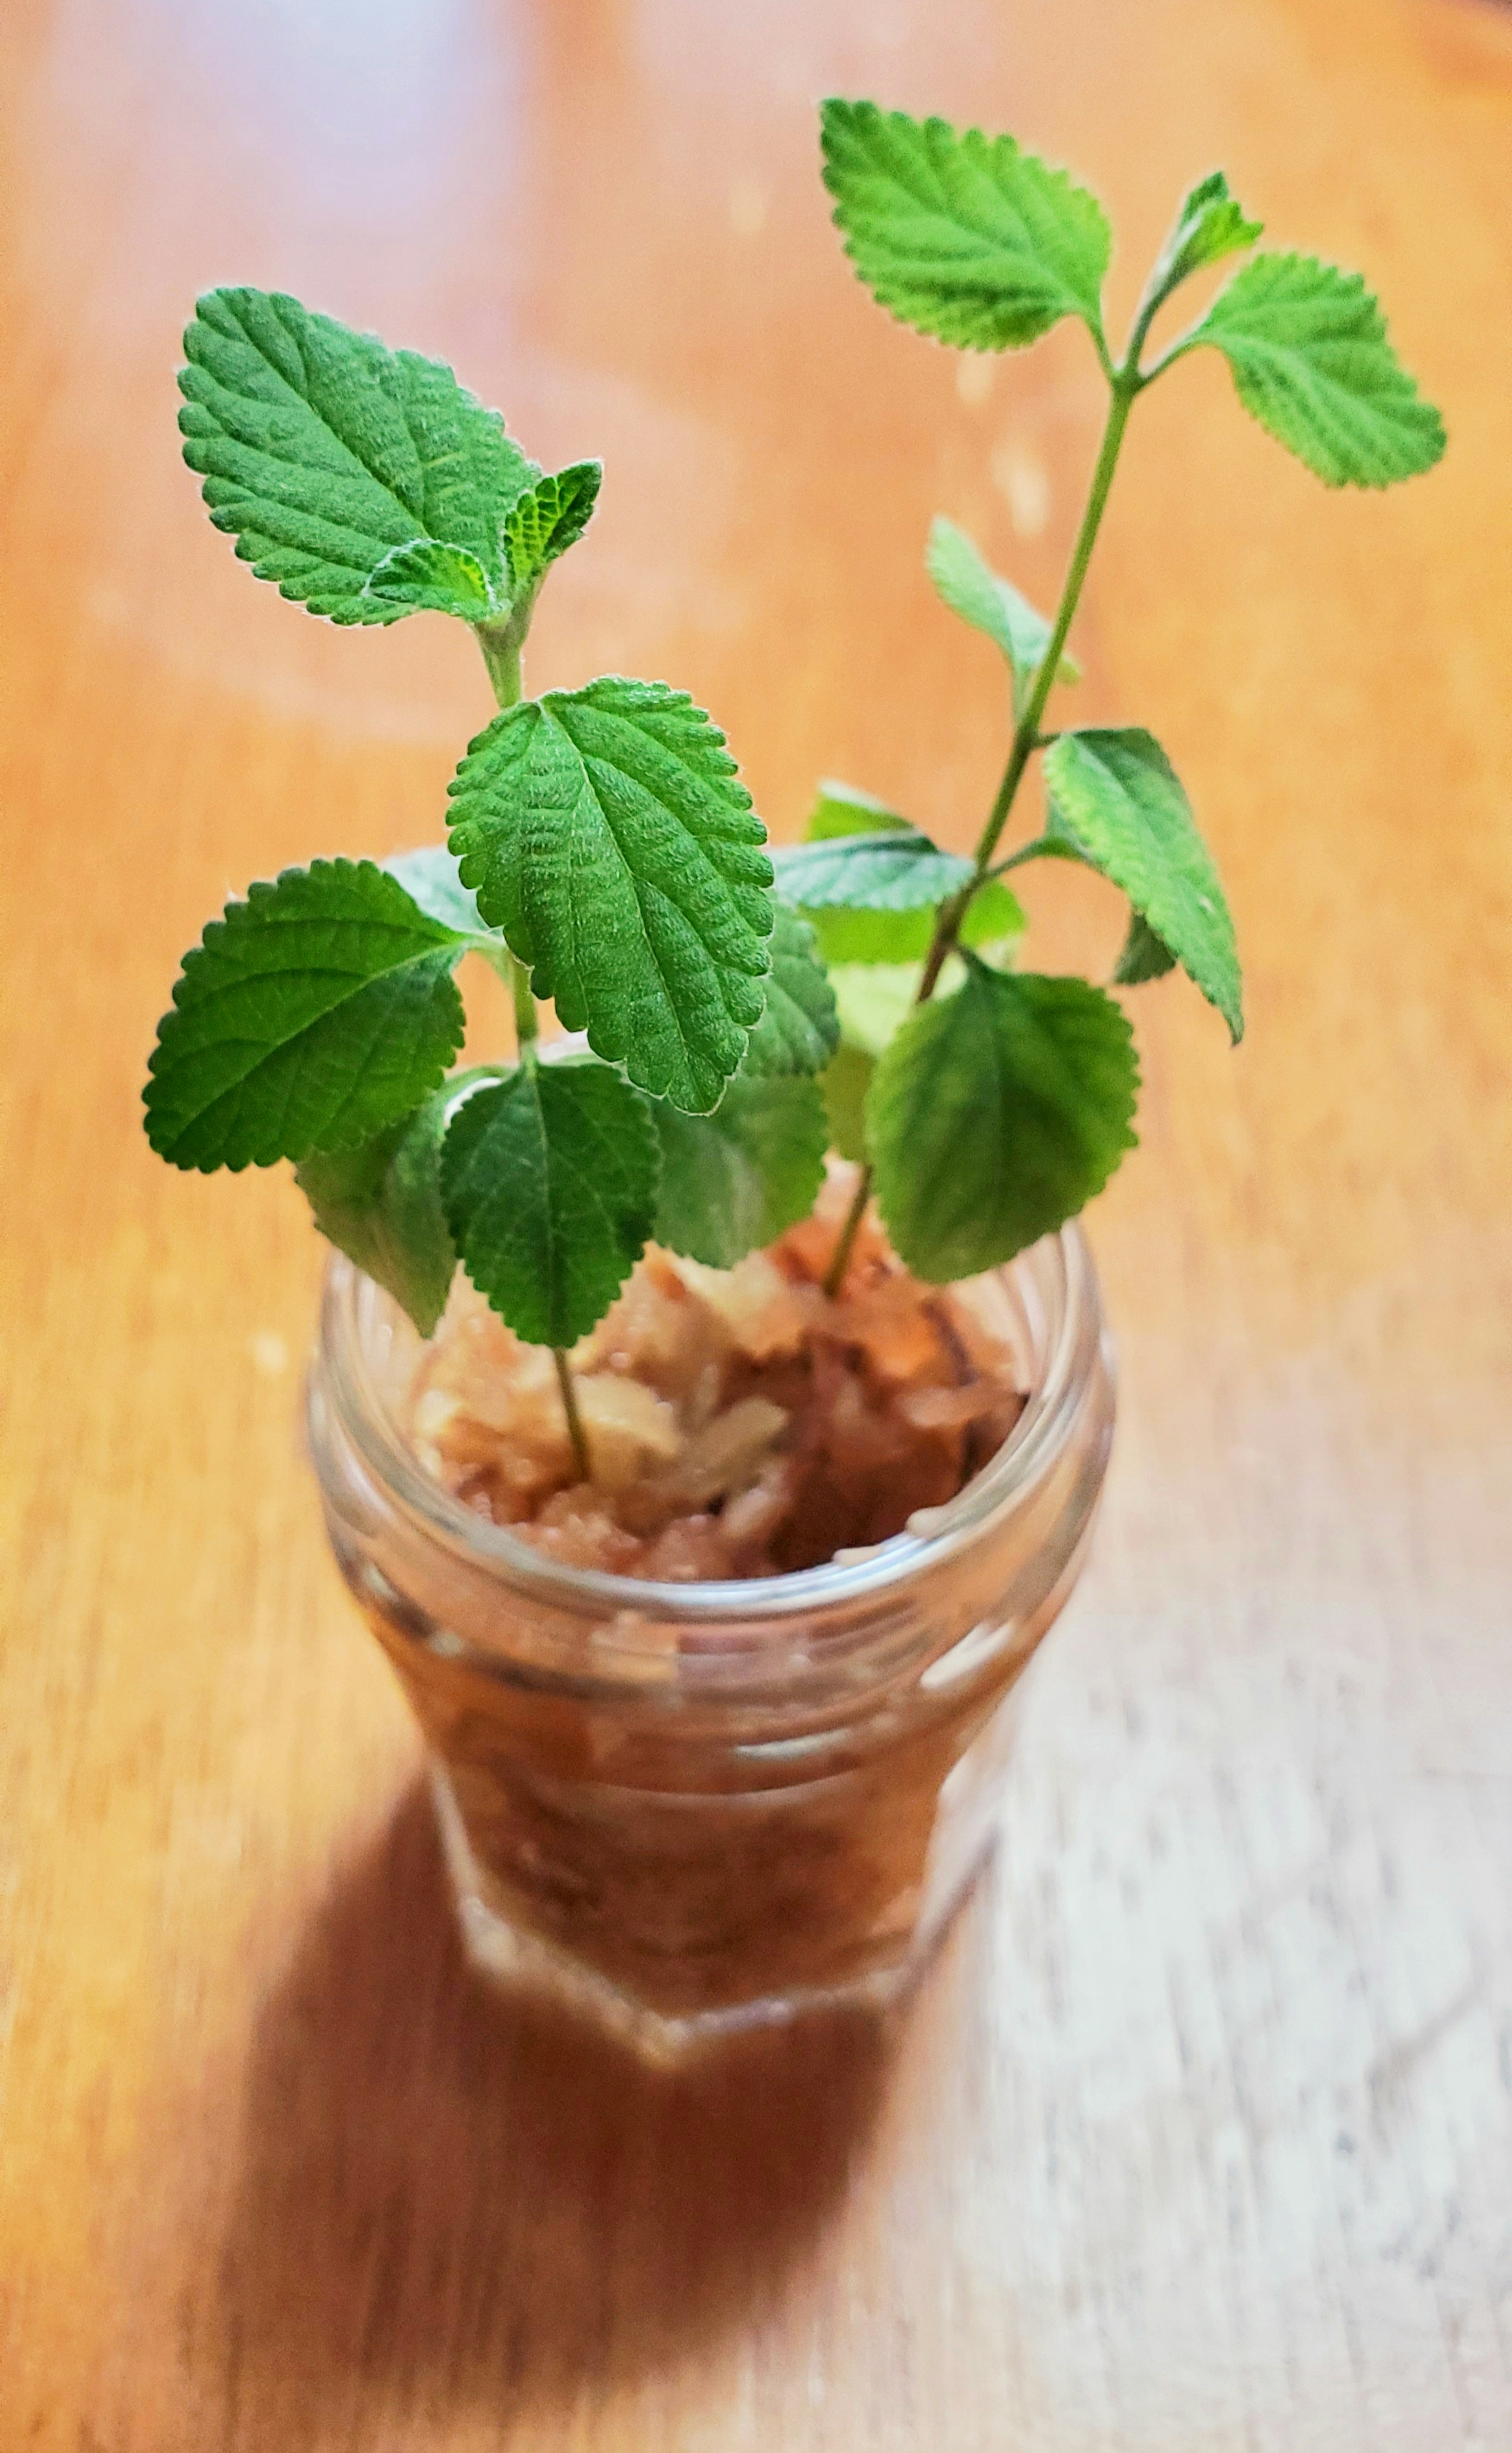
689 1806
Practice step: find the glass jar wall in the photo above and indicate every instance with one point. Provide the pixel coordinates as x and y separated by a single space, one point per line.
687 1807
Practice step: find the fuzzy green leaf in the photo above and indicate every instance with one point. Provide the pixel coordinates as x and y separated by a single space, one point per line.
732 1181
380 1205
843 809
964 581
887 937
323 451
1210 225
996 1115
548 1178
1145 955
607 833
1119 799
962 235
904 937
799 1030
896 869
311 1016
432 876
431 578
548 518
868 935
844 1083
1308 347
872 1002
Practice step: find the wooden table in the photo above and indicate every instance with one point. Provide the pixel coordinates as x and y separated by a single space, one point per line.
1199 2135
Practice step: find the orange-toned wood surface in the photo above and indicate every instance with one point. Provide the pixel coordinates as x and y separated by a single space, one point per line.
1198 2138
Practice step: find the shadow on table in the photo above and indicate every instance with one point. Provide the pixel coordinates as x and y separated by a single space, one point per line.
450 2197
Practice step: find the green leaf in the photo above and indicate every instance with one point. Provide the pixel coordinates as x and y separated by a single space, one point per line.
844 1083
607 833
872 1003
874 1000
888 937
1308 347
322 451
308 1017
380 1204
1211 224
431 578
904 937
430 875
548 1178
548 518
964 581
896 869
962 235
847 935
841 809
1145 955
799 1030
996 1115
732 1181
1118 797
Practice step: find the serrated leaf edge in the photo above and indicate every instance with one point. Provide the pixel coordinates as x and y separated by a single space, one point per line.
918 1017
1202 336
259 889
726 767
505 1077
862 111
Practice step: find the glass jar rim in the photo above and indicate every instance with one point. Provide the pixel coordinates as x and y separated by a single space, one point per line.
1030 1451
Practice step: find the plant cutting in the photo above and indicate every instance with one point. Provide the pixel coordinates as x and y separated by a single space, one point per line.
665 1358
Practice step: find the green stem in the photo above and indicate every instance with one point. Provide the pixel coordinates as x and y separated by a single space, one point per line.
834 1275
1041 848
501 642
1026 733
575 1420
1125 384
527 1023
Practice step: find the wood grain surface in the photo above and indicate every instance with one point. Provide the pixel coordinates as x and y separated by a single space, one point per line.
1198 2137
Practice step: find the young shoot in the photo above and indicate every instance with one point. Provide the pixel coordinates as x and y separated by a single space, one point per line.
993 1103
603 857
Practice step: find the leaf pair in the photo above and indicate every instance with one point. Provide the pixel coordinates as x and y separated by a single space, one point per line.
1306 346
549 1179
365 481
980 245
553 1178
541 1178
1116 803
315 1021
869 883
608 835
